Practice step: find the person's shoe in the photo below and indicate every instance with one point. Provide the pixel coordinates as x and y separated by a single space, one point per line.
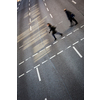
61 35
76 23
55 39
71 25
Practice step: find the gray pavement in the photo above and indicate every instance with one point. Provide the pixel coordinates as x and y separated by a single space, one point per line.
49 70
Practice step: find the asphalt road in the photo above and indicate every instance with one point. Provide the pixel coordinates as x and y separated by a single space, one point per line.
48 70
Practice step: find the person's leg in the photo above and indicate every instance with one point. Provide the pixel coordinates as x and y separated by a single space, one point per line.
75 21
70 22
54 36
59 33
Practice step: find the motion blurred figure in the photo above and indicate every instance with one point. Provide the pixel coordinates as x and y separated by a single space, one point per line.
71 18
53 29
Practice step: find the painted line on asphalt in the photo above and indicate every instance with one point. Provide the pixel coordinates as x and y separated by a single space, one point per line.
43 0
30 28
20 46
45 99
29 71
45 4
63 37
29 8
48 46
44 61
29 4
30 20
51 16
21 63
74 1
47 9
68 47
60 52
69 34
76 30
28 59
29 13
82 39
75 42
38 74
37 66
60 22
21 75
41 50
55 42
77 52
52 56
82 26
34 54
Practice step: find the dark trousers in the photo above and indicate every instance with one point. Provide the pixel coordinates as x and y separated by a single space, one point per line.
53 34
73 19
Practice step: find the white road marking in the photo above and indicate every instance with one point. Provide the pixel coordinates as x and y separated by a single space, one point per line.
82 26
44 61
35 54
37 66
60 22
29 4
73 1
30 20
21 75
45 99
30 28
69 34
48 46
20 46
29 8
28 58
63 37
60 52
76 30
55 42
38 74
29 13
75 43
77 52
45 4
52 57
68 47
47 9
51 16
41 50
43 0
21 63
82 39
28 71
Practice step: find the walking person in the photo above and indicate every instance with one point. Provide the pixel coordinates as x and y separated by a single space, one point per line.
71 18
53 29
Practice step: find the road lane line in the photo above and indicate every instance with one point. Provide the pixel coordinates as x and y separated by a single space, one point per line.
38 74
75 42
60 22
43 0
44 61
21 63
47 9
51 16
21 75
76 30
34 54
68 47
69 34
29 8
41 50
82 39
45 4
55 42
29 71
77 52
37 66
29 13
48 46
30 20
28 58
20 46
30 28
60 52
45 99
82 26
52 56
73 1
63 37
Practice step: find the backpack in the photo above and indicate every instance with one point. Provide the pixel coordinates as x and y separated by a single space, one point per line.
53 27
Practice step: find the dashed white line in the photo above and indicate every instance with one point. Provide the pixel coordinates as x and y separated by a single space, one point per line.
44 61
47 9
73 1
69 34
63 37
37 66
55 42
77 52
21 75
75 42
30 28
29 71
52 56
60 22
76 30
29 8
34 54
82 39
29 13
38 74
20 46
28 59
48 46
43 0
41 50
45 99
45 4
68 47
21 63
51 16
30 20
82 26
60 52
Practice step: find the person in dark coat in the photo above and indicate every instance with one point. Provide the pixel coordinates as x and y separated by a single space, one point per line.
70 16
53 29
